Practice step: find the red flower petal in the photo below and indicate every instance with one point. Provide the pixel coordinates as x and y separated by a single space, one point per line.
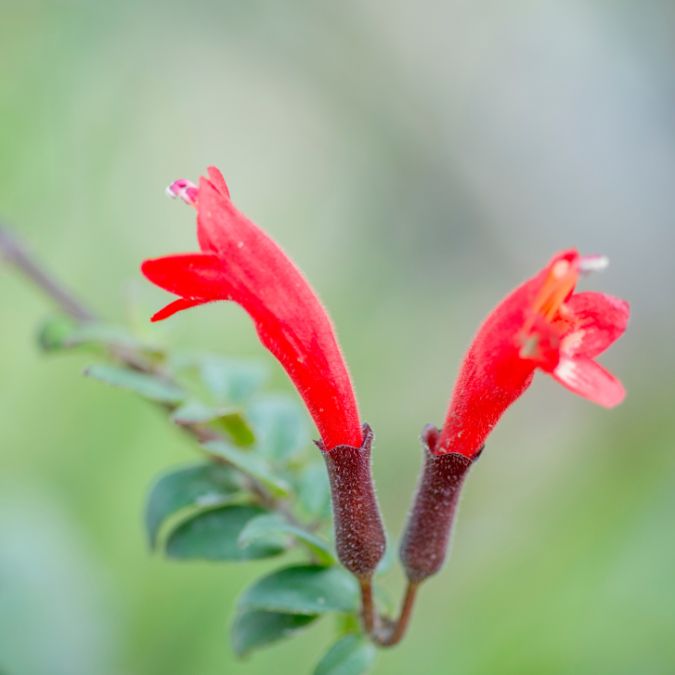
598 320
176 306
221 227
589 379
218 181
191 275
241 263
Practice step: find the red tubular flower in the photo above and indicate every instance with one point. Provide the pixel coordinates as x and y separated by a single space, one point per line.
239 262
543 325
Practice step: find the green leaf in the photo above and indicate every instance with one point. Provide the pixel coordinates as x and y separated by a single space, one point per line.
148 386
269 525
229 420
104 334
348 624
314 490
231 380
239 430
304 589
214 535
351 655
250 464
53 333
255 629
63 333
281 427
227 380
199 486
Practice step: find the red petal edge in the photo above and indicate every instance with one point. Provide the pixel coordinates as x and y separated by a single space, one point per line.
598 320
191 275
589 379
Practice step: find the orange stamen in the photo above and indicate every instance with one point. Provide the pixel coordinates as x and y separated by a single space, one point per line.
561 279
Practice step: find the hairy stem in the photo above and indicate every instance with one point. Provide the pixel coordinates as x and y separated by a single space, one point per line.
369 615
382 631
392 632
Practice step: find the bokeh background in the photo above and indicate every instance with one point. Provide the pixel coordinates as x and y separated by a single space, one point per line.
417 160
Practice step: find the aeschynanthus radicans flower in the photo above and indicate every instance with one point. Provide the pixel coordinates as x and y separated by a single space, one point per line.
542 325
239 262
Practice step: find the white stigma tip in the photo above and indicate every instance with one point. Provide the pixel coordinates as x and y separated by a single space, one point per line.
183 189
593 263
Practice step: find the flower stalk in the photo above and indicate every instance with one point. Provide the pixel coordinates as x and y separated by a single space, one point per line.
394 631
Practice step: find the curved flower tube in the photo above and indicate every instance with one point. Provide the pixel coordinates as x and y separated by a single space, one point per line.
541 325
239 262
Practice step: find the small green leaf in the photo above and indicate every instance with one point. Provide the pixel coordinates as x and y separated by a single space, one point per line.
229 420
231 380
347 624
53 333
314 490
281 427
235 424
255 629
62 333
199 486
351 655
194 412
250 464
269 525
303 589
148 386
214 535
104 334
227 380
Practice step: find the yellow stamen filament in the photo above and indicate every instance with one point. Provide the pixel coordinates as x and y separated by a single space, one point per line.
561 279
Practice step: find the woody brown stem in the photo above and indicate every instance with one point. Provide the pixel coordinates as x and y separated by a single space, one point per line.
392 632
17 255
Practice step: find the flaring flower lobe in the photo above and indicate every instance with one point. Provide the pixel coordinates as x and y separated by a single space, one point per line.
542 325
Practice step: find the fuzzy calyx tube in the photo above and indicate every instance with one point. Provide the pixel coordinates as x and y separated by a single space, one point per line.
425 541
359 535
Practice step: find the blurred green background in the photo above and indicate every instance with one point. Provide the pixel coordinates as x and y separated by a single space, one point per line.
417 160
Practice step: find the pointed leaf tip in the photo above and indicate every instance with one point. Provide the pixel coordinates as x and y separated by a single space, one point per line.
256 629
